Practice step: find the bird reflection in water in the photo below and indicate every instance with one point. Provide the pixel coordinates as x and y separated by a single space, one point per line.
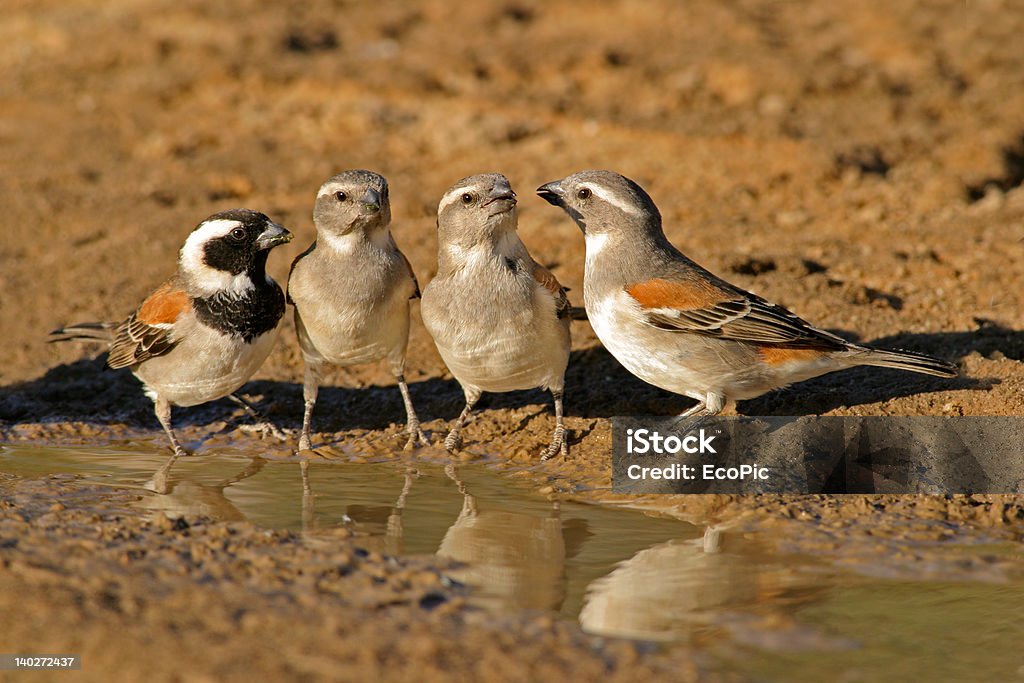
380 527
669 590
183 497
513 559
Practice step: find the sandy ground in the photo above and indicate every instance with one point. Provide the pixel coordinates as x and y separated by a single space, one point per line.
858 162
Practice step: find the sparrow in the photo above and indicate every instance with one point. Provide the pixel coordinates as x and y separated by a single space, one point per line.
203 333
351 290
499 319
677 326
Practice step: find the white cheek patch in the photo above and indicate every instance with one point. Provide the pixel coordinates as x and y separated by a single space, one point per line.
618 202
451 197
207 280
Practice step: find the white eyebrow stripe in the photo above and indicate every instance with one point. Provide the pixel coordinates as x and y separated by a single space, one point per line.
209 280
452 196
329 188
607 196
192 250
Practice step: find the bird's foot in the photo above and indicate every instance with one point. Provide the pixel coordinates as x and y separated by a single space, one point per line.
265 429
306 449
416 436
453 442
559 445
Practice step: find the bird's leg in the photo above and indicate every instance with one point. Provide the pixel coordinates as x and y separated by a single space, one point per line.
162 408
559 444
453 441
158 482
263 425
694 410
712 405
310 388
412 425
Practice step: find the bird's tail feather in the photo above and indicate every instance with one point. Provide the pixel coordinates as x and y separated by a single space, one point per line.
102 332
908 360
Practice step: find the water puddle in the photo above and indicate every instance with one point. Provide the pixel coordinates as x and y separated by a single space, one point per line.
781 617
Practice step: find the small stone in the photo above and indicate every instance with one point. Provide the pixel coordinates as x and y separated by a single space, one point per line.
772 105
792 219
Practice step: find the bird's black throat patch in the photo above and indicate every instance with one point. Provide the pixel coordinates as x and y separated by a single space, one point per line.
247 315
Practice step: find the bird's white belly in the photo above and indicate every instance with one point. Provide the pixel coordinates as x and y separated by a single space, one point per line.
493 360
648 353
205 366
343 337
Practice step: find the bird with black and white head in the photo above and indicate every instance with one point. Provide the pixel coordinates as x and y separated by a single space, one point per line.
499 319
351 290
203 333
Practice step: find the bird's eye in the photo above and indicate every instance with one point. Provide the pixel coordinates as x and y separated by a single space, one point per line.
340 196
584 193
238 234
467 198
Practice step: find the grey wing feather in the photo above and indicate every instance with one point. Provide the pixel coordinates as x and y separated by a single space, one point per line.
751 319
287 287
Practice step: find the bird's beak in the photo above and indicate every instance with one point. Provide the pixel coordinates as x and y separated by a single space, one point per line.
271 237
371 201
505 199
552 192
501 193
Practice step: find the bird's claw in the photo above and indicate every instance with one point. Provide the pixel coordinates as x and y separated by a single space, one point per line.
453 442
305 444
265 430
416 437
559 445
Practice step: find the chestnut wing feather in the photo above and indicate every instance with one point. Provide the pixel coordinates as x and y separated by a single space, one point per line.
148 332
548 280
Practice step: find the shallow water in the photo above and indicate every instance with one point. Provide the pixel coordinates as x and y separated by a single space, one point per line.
778 617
